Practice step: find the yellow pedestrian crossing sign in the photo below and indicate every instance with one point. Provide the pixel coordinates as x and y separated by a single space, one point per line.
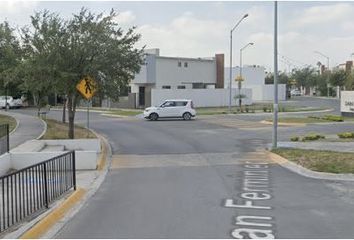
87 87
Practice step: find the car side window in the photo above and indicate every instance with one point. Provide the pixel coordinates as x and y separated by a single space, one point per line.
169 104
181 104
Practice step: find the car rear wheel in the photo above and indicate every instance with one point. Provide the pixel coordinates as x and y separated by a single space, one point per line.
187 116
154 116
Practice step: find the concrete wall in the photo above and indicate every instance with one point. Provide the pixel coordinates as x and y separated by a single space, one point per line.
266 92
169 73
5 163
85 160
200 97
76 144
21 160
253 75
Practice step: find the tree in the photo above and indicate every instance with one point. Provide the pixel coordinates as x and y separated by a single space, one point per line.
283 78
93 45
305 77
349 83
338 78
40 46
10 56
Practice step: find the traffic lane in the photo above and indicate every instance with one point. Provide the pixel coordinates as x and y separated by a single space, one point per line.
167 202
273 202
310 208
168 137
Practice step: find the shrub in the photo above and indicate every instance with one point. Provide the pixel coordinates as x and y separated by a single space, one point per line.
295 139
312 137
346 135
265 109
333 118
247 109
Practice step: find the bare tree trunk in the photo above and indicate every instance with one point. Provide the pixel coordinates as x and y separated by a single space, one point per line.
71 112
64 111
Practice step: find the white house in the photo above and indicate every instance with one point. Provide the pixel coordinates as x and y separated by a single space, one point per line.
199 79
204 80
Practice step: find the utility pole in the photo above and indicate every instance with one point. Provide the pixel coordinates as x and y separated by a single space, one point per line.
275 105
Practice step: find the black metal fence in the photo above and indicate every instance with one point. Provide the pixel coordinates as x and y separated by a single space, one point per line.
4 138
32 189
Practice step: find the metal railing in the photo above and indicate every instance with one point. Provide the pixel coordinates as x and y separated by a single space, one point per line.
4 138
32 189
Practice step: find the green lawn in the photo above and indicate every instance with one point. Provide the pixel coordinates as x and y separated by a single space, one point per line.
258 107
321 161
4 119
59 130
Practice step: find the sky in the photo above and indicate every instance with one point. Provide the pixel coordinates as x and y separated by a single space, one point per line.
202 29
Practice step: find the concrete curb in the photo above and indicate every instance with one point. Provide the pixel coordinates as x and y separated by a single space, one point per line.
44 130
97 183
306 172
17 124
284 124
48 221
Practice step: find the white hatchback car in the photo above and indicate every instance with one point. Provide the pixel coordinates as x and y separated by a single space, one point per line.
9 102
175 108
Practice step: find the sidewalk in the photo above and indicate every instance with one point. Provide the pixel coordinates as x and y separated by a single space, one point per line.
326 146
28 128
88 181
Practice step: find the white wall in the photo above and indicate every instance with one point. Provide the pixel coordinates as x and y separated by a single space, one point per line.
5 163
266 92
76 144
253 75
84 160
168 72
200 97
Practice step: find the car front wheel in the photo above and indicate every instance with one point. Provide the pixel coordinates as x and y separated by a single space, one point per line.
187 116
154 116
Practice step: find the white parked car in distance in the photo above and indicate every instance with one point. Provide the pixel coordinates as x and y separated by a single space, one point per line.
9 102
295 92
174 108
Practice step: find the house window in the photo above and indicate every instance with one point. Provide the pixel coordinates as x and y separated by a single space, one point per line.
181 87
166 87
185 64
179 64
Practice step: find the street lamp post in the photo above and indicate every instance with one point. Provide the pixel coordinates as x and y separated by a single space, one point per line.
240 80
230 83
327 69
275 104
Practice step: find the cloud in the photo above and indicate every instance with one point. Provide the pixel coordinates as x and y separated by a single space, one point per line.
126 17
12 7
324 14
186 35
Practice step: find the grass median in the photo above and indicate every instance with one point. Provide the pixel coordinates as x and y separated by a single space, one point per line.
4 119
59 130
320 161
299 120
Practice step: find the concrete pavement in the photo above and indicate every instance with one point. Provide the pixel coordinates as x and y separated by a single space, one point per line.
29 127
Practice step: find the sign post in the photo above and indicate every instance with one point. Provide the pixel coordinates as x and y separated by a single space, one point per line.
87 88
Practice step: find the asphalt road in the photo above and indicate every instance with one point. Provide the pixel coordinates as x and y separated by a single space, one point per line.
192 179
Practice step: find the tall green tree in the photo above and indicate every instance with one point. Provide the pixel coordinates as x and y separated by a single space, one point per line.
94 45
38 68
338 78
10 56
305 77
